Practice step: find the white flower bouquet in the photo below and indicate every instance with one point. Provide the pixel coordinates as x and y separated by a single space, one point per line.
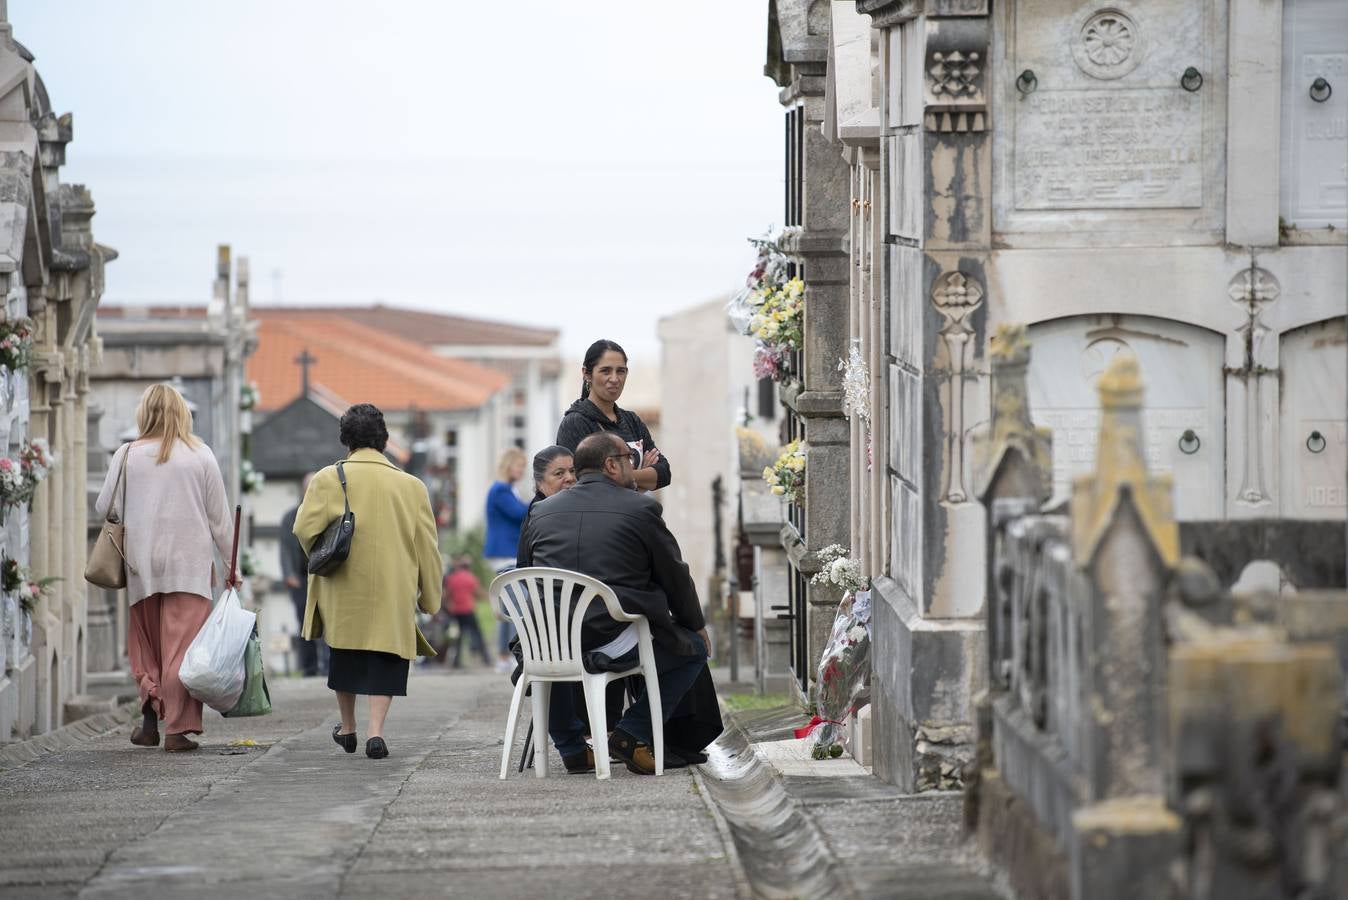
845 666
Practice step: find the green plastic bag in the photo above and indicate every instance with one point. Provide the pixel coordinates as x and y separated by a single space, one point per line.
255 699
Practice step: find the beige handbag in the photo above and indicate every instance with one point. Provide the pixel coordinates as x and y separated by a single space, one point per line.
107 558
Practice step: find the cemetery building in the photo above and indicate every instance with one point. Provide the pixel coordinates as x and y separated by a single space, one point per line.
722 522
1162 183
453 416
51 277
533 403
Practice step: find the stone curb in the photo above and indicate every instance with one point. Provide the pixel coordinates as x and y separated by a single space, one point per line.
12 756
778 846
743 886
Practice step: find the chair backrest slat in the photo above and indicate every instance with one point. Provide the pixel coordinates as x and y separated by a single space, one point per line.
548 608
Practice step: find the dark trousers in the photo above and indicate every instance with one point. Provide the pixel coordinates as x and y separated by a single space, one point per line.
311 656
468 626
567 704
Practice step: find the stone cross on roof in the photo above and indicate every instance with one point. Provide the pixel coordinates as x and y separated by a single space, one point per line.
304 361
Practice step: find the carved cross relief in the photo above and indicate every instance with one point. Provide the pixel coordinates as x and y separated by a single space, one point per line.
1253 288
956 296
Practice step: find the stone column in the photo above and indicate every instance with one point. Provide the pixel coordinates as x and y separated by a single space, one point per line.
104 647
936 172
820 248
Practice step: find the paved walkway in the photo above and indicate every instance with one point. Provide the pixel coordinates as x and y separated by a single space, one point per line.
294 817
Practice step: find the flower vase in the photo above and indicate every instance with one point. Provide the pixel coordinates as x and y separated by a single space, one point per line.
10 637
8 611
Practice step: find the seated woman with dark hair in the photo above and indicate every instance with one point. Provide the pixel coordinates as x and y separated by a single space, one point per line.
366 608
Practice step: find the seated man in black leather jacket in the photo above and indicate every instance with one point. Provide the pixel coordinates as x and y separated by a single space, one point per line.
604 528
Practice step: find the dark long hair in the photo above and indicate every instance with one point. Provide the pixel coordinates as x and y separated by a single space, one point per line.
597 349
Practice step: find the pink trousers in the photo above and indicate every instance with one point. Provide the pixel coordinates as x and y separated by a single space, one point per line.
162 626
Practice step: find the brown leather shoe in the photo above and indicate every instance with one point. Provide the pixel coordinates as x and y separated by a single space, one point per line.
142 738
638 757
179 743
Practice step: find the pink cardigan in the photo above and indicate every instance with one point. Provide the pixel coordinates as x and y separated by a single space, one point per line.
175 515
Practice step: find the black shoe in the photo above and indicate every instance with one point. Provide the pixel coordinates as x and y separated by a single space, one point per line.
375 748
579 763
346 741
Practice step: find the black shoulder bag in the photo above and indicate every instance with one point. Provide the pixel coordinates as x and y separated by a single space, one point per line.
334 545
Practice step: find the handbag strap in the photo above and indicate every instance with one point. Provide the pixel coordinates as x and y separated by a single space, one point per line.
114 507
122 479
341 476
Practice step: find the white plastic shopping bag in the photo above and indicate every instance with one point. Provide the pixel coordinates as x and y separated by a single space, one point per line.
213 668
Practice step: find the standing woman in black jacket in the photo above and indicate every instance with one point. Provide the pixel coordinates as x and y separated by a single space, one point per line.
605 375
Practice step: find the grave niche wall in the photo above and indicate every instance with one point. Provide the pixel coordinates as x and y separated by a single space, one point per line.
1314 133
1314 433
1183 367
1102 145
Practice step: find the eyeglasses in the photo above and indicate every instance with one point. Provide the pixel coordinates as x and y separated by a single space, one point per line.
626 456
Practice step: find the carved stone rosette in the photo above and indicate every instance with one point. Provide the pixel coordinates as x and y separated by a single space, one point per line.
956 296
954 100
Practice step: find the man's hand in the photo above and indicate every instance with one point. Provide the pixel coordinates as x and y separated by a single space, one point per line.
292 582
706 641
650 458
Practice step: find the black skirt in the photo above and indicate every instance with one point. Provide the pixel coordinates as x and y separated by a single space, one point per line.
367 672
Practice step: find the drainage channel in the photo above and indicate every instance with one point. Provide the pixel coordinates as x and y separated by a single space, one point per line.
780 848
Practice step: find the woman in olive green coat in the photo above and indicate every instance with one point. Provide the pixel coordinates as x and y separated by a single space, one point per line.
366 609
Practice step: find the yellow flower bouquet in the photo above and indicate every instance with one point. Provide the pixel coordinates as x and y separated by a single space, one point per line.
786 476
779 322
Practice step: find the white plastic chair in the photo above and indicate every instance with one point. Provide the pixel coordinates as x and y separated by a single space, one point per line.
547 607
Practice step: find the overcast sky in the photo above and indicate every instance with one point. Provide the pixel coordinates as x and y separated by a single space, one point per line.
590 166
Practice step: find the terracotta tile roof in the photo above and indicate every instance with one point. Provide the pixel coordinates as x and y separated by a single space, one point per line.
429 328
362 365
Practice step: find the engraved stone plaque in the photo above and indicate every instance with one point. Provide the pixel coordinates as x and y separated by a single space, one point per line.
1106 124
1109 149
1315 134
1182 372
1314 433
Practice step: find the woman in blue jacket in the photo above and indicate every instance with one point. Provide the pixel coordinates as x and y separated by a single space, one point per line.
505 515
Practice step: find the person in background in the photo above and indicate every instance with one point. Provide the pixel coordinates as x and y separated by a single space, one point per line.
603 377
554 471
462 590
366 608
311 656
175 515
505 515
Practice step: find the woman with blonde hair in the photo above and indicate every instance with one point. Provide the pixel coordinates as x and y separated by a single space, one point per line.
505 515
167 488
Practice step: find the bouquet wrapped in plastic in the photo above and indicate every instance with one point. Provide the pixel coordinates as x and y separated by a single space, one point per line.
845 666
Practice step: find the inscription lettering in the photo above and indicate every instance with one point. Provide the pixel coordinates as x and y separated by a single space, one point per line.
1103 148
1327 495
